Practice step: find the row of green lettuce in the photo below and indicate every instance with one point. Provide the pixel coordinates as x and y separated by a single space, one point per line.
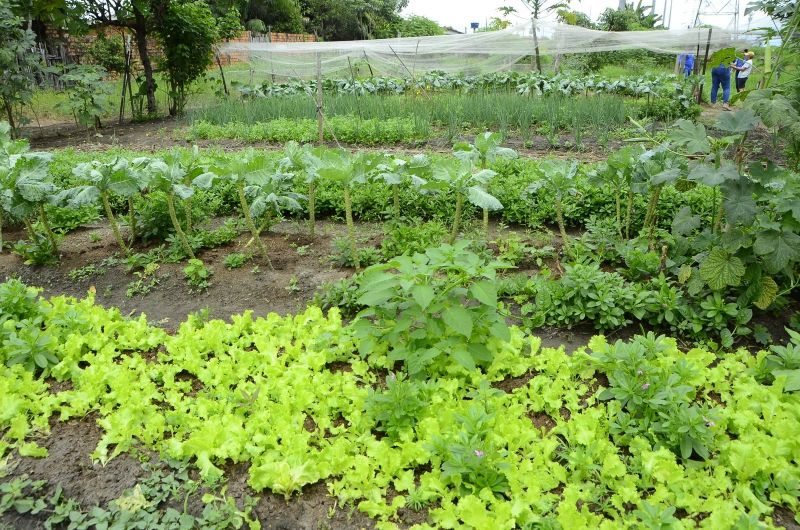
635 434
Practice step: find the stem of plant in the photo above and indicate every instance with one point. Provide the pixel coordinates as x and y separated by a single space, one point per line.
132 219
29 229
457 217
312 204
561 228
629 214
486 223
178 230
1 231
187 209
251 224
351 233
396 192
619 211
50 235
113 222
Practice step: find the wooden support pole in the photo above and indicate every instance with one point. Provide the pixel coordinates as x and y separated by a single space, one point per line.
320 119
705 63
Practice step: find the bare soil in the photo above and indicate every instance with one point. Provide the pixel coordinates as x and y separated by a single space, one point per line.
165 133
299 266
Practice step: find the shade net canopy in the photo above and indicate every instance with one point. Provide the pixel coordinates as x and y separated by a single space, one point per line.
469 54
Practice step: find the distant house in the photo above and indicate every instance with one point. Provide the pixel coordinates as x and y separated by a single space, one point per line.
451 31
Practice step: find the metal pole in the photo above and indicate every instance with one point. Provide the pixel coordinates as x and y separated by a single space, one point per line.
320 124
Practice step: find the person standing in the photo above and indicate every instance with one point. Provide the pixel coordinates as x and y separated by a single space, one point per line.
743 71
721 77
688 65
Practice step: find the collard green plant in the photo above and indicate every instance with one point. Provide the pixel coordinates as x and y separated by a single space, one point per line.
305 162
462 178
557 176
102 180
255 171
348 171
397 173
26 187
169 175
486 150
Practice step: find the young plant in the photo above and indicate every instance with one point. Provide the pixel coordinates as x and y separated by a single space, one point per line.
198 275
433 311
103 179
461 177
168 175
251 173
558 177
304 161
397 172
347 171
486 150
25 186
236 260
87 94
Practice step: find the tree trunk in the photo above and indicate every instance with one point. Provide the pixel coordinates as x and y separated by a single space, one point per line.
10 116
140 31
536 49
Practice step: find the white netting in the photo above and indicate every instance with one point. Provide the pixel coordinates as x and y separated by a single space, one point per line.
471 54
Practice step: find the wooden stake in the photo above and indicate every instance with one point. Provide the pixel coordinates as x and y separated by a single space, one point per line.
320 125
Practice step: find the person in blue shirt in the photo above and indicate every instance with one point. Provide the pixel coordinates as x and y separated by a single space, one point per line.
721 77
688 65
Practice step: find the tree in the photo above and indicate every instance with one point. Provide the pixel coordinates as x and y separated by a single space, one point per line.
131 14
351 19
418 26
17 63
536 8
187 32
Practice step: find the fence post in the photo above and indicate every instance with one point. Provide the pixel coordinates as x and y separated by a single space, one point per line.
320 124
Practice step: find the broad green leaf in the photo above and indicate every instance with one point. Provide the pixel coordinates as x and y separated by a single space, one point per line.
691 136
740 206
463 357
376 297
458 319
720 269
767 293
485 292
483 199
684 273
182 191
778 248
792 383
741 121
684 222
422 294
725 56
204 180
711 176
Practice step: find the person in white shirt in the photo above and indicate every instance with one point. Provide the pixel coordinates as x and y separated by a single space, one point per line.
743 71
